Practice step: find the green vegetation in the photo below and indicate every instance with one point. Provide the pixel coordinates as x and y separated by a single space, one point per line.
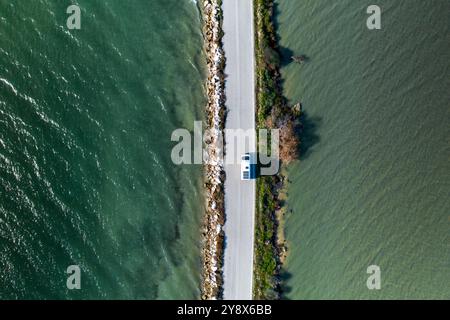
272 112
266 251
269 97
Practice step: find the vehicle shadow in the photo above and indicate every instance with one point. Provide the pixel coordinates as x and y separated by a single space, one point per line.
271 168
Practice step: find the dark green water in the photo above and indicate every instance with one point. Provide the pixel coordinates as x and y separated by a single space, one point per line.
85 171
373 183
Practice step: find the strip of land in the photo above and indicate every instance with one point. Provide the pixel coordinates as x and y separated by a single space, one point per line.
238 42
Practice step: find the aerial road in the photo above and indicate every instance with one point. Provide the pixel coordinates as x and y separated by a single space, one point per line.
238 44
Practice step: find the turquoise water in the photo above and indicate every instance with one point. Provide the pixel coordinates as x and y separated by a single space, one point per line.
373 183
85 171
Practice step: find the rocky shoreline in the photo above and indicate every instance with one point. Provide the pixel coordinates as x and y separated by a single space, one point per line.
214 218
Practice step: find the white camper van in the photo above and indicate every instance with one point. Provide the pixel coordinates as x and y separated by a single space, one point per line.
246 168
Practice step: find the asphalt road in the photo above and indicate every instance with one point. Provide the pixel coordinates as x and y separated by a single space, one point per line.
239 195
